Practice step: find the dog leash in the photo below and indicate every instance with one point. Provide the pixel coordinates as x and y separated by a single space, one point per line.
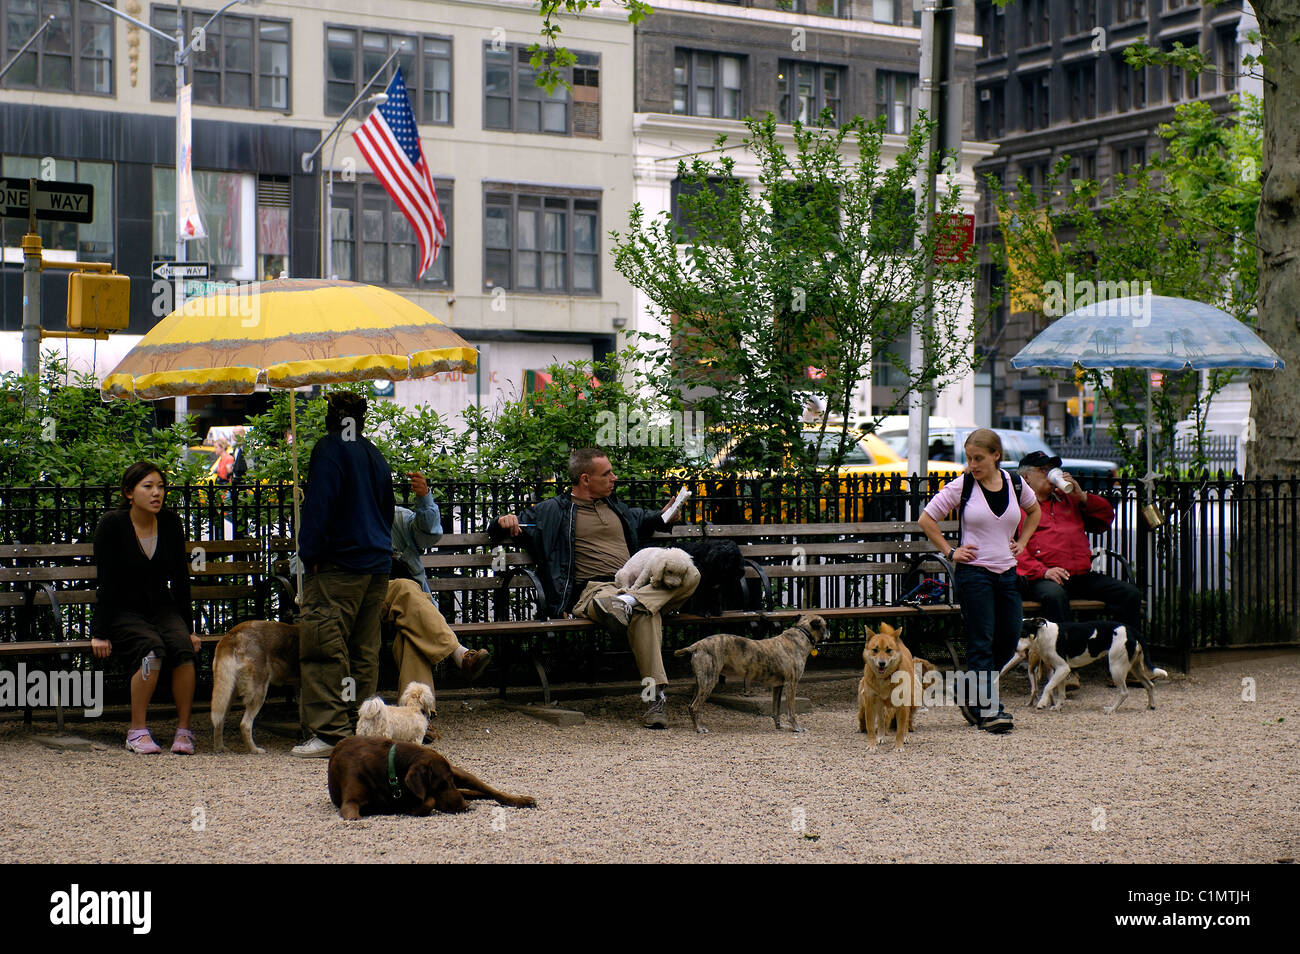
393 784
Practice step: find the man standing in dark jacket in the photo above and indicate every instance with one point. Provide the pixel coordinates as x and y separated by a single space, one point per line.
579 541
345 544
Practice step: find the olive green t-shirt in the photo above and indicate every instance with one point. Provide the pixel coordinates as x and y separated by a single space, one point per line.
600 549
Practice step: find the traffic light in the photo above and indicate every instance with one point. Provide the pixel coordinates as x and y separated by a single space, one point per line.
98 301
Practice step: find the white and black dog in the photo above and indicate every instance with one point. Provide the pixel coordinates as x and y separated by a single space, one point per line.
1066 646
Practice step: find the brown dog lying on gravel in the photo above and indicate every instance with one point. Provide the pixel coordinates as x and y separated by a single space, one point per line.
777 662
252 657
372 776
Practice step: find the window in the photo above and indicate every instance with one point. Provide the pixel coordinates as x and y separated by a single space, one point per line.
514 101
1130 157
992 27
991 115
1082 15
805 89
707 84
882 11
1130 85
1084 167
1228 61
1035 174
91 242
227 203
372 241
244 61
272 226
1181 84
1035 27
893 220
352 56
1130 9
73 55
682 216
1081 81
541 243
895 95
821 8
1035 102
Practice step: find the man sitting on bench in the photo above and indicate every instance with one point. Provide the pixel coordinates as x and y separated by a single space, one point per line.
579 541
422 637
1056 566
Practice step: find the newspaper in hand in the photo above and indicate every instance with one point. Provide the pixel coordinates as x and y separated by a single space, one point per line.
676 505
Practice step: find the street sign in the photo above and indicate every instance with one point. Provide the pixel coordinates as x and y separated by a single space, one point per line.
170 271
956 239
55 201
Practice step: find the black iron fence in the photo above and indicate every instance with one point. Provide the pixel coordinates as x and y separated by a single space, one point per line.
1222 569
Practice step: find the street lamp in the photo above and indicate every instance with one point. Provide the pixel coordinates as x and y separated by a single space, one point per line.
182 54
308 160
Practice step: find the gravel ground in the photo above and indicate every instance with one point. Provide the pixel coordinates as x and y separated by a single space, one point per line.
1206 777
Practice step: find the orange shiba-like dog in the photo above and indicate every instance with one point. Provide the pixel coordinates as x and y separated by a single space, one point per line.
889 689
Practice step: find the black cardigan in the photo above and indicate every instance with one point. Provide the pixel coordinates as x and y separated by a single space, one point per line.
130 582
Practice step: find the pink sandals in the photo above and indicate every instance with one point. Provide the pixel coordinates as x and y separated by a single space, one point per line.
141 742
183 744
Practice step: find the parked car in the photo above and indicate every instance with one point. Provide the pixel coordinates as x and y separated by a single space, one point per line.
1015 445
865 454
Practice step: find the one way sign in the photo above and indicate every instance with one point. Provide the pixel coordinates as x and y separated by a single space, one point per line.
55 201
170 271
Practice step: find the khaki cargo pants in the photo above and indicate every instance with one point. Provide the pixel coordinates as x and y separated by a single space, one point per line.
645 632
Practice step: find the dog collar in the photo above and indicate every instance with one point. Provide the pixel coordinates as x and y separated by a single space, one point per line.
393 784
807 632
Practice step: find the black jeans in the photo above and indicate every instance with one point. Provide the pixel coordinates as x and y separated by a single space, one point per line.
1123 600
991 611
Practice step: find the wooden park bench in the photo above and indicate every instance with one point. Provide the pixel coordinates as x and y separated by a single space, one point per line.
44 579
842 571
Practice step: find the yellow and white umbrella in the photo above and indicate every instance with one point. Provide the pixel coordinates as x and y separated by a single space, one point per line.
287 333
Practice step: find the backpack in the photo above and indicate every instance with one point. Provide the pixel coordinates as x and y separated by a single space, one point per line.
968 487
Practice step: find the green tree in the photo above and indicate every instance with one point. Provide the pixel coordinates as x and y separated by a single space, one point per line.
56 429
782 296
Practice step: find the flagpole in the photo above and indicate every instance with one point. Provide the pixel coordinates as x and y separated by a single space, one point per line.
327 225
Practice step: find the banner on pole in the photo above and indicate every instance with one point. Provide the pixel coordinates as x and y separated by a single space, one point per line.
189 225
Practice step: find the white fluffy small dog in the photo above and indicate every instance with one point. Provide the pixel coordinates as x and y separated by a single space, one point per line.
408 721
664 567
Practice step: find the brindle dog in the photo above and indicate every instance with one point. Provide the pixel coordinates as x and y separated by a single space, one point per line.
777 662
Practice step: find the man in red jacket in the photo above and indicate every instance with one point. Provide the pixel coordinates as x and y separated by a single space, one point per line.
1056 567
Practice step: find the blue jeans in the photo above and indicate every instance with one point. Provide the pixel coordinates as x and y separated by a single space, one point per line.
992 612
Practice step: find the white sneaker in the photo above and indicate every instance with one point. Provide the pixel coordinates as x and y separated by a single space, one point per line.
313 748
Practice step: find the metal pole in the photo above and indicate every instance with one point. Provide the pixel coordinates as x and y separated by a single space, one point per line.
929 95
31 287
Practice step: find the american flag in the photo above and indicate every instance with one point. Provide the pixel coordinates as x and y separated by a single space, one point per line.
390 142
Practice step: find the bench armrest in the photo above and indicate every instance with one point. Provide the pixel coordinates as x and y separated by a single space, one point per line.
1125 566
765 584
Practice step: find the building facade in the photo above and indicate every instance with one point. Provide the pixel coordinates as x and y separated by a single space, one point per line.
529 184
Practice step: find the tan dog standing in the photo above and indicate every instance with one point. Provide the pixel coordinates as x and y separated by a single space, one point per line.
889 690
777 662
252 657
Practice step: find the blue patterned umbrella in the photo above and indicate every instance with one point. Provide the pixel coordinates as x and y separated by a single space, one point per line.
1154 331
1148 331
